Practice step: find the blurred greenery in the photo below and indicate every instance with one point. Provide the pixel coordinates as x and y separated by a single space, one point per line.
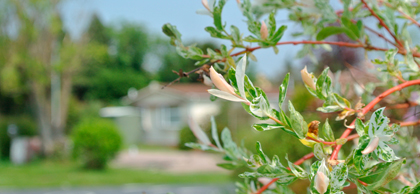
186 136
95 142
49 173
96 69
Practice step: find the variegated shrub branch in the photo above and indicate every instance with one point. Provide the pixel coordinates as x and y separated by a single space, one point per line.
377 158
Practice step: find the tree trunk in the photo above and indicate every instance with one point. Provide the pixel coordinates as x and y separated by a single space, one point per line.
43 116
65 98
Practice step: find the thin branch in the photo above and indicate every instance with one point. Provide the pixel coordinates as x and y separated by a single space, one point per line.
409 123
265 187
380 35
276 120
338 43
401 47
361 182
324 142
409 18
304 158
370 106
403 180
403 105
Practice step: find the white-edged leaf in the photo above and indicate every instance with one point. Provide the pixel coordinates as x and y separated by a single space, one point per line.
225 95
240 76
339 175
198 132
260 107
214 133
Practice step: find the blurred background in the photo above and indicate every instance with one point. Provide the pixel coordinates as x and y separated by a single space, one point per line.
82 104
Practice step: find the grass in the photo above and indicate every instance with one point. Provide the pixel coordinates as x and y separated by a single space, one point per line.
56 174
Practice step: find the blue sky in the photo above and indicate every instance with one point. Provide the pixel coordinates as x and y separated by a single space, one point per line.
182 13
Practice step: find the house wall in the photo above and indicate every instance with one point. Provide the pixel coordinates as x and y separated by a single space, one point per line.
130 129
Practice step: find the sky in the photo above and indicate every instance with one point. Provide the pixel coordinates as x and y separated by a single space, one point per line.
181 13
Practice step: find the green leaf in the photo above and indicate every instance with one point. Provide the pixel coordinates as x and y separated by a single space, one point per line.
283 89
328 109
275 49
216 33
323 85
240 76
228 166
297 123
329 31
200 146
230 147
382 173
260 152
326 10
251 39
266 127
342 102
277 36
284 179
217 16
171 31
353 31
297 170
327 132
195 53
360 127
319 151
339 175
260 108
236 35
214 133
271 23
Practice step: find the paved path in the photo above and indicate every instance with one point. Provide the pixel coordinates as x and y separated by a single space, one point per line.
170 161
132 189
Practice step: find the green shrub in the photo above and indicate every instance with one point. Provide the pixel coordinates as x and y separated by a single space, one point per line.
185 136
96 141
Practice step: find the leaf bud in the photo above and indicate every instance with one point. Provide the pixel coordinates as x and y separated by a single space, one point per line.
321 182
263 31
307 78
220 82
373 144
206 5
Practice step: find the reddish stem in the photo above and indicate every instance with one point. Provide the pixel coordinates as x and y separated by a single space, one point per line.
324 142
361 182
411 123
409 18
370 106
403 105
265 187
351 137
305 157
383 24
380 35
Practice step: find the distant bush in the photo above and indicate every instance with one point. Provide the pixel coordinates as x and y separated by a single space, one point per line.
185 136
26 127
96 141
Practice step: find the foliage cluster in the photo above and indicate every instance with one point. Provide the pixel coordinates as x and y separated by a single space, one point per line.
375 161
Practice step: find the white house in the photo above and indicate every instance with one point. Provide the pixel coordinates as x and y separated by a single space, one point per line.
154 115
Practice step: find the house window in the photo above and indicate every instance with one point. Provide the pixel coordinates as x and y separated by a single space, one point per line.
171 117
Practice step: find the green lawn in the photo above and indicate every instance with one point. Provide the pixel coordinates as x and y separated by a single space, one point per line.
55 174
